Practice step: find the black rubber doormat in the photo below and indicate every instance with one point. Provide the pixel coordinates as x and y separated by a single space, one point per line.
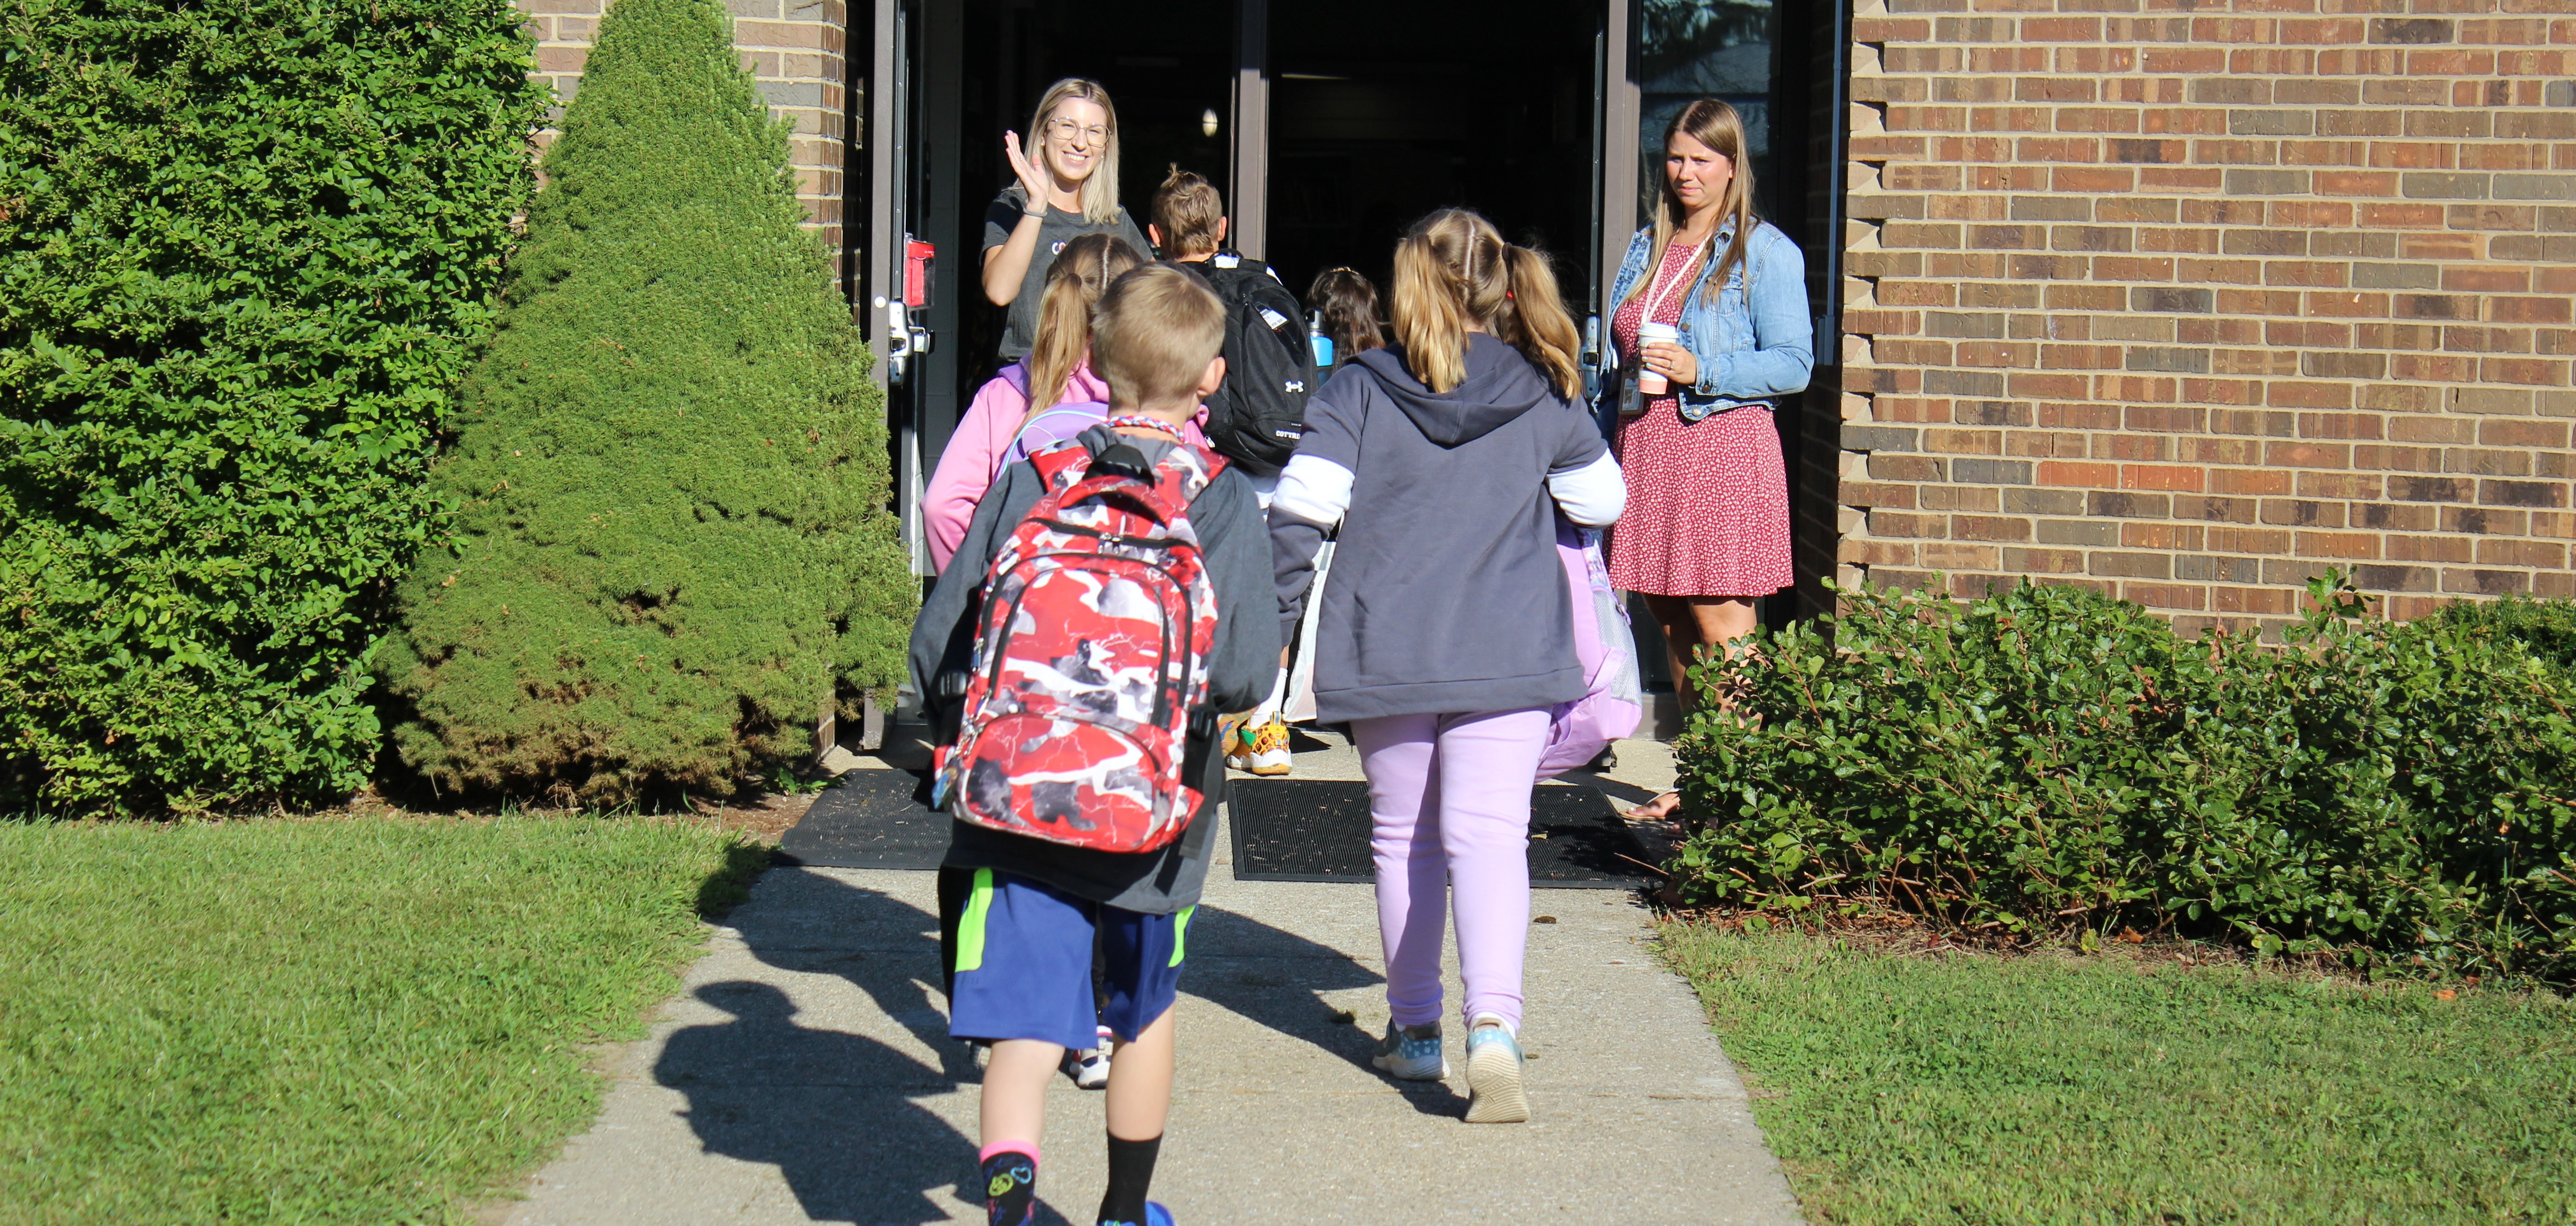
1318 829
869 819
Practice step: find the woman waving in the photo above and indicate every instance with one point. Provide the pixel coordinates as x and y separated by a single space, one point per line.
1068 187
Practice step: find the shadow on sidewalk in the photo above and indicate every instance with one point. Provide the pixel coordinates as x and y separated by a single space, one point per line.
832 1111
835 1111
1277 979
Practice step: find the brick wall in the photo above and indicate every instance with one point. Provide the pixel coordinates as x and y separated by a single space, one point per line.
2189 301
798 51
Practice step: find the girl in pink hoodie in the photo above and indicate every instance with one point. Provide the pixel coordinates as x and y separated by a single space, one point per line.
1060 364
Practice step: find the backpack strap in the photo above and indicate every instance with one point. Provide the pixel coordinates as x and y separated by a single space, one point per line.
1062 464
1187 469
1184 471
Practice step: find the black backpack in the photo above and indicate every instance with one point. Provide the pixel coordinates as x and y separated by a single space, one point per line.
1258 416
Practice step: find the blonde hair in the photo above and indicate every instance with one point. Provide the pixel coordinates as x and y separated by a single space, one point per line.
1157 329
1454 270
1187 209
1081 274
1716 125
1100 191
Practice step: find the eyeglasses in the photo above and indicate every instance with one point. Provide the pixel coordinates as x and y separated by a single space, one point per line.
1065 130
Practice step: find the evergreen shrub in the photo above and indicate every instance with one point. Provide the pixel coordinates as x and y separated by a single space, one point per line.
674 540
2547 627
246 251
2047 762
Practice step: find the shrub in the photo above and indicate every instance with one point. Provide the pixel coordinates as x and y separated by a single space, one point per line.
2048 761
675 537
2547 627
245 252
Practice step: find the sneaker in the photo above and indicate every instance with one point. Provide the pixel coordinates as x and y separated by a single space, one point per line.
1411 1053
1270 749
1089 1069
1494 1094
1230 736
1155 1215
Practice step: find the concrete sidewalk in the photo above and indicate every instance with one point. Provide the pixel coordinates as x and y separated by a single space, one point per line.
805 1075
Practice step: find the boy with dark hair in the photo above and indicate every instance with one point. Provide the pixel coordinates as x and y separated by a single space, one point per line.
1260 413
1024 950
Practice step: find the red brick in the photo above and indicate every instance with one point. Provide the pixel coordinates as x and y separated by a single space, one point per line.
2357 378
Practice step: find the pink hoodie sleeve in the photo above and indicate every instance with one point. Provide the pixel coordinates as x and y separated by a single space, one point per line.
966 468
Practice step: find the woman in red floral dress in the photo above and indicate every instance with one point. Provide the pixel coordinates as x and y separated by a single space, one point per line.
1706 530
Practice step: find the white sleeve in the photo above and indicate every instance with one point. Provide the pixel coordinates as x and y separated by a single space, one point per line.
1316 490
1592 495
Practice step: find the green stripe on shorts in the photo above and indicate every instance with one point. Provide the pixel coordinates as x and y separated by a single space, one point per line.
1181 934
970 926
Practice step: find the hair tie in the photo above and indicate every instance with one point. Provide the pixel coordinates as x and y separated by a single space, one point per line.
1507 293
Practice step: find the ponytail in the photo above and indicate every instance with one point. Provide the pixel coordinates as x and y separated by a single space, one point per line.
1453 270
1534 321
1081 274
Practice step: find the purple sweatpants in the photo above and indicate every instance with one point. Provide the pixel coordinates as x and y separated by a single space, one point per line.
1449 809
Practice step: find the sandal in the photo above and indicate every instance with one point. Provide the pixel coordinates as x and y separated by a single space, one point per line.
1657 810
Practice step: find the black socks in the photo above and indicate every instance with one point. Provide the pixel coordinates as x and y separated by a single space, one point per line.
1011 1187
1131 1172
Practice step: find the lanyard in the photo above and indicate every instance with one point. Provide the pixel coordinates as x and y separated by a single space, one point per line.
1655 301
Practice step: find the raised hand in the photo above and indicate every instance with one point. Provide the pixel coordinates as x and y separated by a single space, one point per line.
1034 178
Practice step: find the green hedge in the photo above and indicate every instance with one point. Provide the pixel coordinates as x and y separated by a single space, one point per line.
2048 762
2546 627
675 542
246 249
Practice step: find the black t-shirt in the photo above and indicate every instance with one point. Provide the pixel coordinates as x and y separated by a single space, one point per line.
1054 231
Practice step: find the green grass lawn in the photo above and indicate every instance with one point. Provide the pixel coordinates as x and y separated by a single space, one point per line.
354 1020
2121 1089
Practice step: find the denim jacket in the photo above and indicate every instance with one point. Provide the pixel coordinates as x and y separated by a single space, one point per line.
1751 348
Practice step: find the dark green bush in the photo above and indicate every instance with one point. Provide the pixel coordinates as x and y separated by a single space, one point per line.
2547 627
246 249
675 539
2048 762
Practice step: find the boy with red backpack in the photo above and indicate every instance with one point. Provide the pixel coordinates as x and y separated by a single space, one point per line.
1111 597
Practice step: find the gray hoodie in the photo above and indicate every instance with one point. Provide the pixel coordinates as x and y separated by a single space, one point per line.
1446 594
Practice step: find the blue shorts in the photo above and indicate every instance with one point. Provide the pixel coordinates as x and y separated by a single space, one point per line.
1024 965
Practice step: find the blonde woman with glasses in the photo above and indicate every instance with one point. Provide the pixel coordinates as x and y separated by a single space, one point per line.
1067 187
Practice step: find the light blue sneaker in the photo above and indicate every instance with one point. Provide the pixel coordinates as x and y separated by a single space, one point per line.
1494 1093
1411 1053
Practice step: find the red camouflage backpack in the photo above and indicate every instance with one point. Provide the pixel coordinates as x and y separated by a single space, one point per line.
1098 618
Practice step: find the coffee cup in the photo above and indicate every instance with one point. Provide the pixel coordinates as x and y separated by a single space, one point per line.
1649 382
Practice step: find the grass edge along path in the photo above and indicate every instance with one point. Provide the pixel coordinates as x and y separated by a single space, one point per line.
1984 1088
351 1020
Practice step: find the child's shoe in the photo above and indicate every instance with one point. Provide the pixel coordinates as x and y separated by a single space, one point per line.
1089 1069
1231 736
1494 1094
1155 1215
1411 1053
1269 749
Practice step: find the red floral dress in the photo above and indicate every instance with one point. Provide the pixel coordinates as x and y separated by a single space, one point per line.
1708 501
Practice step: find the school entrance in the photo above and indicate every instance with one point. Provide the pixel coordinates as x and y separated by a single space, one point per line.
1331 125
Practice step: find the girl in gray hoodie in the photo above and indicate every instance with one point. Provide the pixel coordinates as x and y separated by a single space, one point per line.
1447 631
